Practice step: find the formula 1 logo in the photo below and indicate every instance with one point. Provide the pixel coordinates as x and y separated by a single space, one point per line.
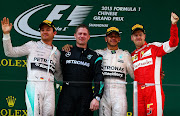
76 17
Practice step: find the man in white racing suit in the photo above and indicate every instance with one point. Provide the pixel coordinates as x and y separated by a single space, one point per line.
116 64
42 66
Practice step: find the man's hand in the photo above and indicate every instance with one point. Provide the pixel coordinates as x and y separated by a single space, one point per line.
67 48
174 18
162 75
6 26
105 49
94 105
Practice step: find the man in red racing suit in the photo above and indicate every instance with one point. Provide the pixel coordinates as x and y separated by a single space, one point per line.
147 63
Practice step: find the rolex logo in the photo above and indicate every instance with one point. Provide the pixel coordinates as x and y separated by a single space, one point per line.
11 101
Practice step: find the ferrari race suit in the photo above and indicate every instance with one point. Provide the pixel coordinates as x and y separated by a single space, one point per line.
147 62
116 64
42 65
79 67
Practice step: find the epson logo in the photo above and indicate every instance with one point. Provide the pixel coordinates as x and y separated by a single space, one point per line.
76 17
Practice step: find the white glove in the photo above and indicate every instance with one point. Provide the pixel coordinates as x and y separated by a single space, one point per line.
174 18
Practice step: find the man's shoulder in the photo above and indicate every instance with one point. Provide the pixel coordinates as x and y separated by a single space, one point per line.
99 51
126 52
94 53
157 44
31 44
34 43
133 52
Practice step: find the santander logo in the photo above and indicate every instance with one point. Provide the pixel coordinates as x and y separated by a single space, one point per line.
76 17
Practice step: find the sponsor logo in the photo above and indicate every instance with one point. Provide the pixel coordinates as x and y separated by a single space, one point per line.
55 52
147 53
129 113
104 59
11 101
116 74
142 52
13 63
149 109
39 59
113 51
41 78
67 83
122 61
77 62
68 54
58 87
23 26
143 87
89 56
11 112
39 109
121 56
143 63
43 67
113 68
135 57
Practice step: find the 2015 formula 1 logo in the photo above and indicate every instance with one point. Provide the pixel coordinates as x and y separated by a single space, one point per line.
76 17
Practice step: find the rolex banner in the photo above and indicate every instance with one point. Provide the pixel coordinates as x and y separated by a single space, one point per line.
98 15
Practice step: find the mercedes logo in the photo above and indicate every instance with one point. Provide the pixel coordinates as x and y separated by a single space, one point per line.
68 54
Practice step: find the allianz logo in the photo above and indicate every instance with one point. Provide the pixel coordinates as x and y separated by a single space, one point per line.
75 17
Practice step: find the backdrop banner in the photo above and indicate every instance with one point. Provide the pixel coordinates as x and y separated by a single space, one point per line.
98 15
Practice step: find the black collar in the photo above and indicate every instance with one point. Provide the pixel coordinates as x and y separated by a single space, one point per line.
81 49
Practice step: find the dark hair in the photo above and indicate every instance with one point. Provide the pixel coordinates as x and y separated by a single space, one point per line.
82 26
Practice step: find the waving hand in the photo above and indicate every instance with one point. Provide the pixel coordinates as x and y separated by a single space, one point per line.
6 26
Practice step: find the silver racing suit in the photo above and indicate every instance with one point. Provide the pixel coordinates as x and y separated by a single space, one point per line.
116 64
42 65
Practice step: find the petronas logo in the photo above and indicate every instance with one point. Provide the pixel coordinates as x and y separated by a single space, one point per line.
11 101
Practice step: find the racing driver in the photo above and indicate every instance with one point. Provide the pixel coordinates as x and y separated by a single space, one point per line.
116 64
42 65
147 59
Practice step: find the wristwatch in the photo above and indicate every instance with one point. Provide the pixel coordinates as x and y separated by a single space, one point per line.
98 98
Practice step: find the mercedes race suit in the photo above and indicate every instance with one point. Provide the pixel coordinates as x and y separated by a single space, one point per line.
80 67
116 65
147 62
42 65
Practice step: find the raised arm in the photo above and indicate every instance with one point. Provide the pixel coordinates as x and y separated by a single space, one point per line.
8 49
6 26
172 44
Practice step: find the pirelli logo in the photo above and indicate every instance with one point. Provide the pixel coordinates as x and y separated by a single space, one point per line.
143 63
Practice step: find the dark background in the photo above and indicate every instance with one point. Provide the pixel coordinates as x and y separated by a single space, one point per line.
154 16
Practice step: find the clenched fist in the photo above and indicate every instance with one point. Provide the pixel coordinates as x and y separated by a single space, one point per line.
174 18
